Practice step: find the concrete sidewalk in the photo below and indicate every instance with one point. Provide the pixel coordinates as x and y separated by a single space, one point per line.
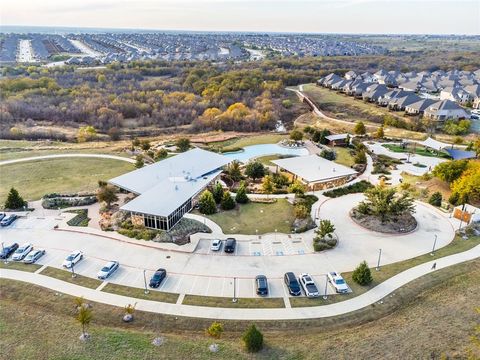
357 303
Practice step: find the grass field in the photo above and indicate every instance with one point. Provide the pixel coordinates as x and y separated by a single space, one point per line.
267 160
14 265
33 179
420 150
343 156
214 301
247 218
66 275
153 295
417 323
240 142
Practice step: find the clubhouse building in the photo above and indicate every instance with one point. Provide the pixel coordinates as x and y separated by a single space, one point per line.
168 189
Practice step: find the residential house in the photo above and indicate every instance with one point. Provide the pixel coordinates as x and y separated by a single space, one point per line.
419 107
400 103
444 110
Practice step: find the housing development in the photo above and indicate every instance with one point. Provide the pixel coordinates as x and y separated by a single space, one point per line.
200 194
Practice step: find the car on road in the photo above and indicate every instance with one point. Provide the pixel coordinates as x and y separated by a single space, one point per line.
7 220
292 284
261 285
108 270
22 251
230 245
337 281
308 285
33 256
157 278
6 251
72 259
216 245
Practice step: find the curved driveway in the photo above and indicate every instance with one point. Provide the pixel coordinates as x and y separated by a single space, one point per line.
59 156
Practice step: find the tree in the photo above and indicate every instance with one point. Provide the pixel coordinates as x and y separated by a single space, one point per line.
215 330
107 194
206 203
253 339
86 133
255 170
241 196
360 128
182 144
217 192
380 134
328 154
234 171
296 135
145 144
114 133
383 202
14 200
84 317
135 142
297 188
325 229
161 154
362 275
227 201
360 157
435 199
467 187
450 171
139 161
267 185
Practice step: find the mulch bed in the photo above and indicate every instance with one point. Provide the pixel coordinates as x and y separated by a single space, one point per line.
400 225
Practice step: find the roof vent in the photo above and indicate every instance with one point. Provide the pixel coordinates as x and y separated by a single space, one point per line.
333 169
176 187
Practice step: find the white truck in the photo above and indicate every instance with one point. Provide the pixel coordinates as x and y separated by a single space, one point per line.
338 283
308 285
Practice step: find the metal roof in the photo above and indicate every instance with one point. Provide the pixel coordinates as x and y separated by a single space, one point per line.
313 168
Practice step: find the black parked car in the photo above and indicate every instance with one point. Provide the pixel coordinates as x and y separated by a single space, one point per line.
261 285
157 278
6 251
230 244
292 284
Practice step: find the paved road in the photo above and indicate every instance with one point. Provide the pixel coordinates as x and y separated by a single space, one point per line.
59 156
376 295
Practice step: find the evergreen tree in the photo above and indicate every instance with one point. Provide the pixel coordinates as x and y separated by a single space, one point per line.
267 185
227 201
217 192
360 128
14 200
255 170
241 196
435 199
362 275
253 339
206 203
139 162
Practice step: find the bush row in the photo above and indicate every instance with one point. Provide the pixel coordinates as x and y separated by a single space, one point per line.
61 202
358 187
81 219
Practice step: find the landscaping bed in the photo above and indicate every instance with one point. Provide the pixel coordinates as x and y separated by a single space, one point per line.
226 302
401 224
56 201
358 187
66 275
81 219
14 265
139 293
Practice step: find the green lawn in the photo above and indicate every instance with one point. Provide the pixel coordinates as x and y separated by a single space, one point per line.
267 160
153 295
66 275
235 143
14 265
33 179
343 156
265 218
419 150
215 301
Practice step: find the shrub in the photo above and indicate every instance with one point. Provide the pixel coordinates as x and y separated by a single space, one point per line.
227 201
217 193
253 339
300 211
14 200
320 246
182 144
327 154
255 170
241 196
161 154
206 203
358 187
435 199
362 275
81 219
360 157
215 330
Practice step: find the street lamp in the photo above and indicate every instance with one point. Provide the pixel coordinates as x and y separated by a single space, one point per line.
378 262
325 297
146 291
256 232
73 271
234 300
3 252
434 243
275 235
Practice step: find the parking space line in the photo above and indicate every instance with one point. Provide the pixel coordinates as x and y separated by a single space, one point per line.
286 298
178 284
164 283
195 278
223 286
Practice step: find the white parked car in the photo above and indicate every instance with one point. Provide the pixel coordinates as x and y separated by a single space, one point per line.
72 259
108 269
22 251
337 281
308 285
216 245
33 256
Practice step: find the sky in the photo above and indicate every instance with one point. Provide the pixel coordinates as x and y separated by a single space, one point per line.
315 16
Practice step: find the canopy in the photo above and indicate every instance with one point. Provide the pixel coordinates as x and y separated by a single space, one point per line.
433 144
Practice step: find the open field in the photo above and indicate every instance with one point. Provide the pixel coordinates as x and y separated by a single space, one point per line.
33 179
240 142
215 301
343 156
419 150
247 218
66 275
412 323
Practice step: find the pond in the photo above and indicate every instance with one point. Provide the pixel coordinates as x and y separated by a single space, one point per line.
254 151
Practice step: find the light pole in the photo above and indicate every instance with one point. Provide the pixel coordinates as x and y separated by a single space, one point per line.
256 233
275 235
378 262
234 300
434 243
4 254
145 282
325 297
73 271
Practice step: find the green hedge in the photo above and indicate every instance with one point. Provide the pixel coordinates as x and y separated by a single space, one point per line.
358 187
81 219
